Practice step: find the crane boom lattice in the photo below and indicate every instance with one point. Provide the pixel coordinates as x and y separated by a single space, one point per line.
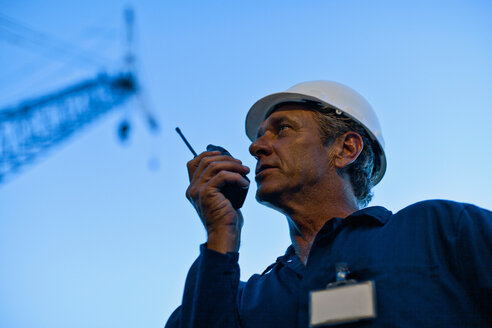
33 127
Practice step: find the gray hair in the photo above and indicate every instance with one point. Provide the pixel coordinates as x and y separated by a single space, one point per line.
361 171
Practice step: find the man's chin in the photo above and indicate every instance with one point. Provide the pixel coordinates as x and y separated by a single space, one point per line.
267 197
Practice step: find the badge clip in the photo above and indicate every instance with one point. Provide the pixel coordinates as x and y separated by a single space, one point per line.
341 277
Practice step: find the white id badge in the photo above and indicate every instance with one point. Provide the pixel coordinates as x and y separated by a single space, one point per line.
343 303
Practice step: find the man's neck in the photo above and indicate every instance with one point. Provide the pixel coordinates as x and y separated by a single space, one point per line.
307 219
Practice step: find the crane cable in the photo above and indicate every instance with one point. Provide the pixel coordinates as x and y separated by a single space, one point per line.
20 34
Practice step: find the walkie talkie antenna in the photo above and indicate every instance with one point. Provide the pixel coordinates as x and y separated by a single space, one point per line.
186 142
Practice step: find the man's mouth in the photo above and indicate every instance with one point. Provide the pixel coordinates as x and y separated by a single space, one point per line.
263 167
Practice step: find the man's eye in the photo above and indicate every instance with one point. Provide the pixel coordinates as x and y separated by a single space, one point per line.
282 127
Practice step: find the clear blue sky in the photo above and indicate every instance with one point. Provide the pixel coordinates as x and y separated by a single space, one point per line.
91 237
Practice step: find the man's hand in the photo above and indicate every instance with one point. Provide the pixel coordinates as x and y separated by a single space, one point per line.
208 172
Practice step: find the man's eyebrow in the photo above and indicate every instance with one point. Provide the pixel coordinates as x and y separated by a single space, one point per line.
283 118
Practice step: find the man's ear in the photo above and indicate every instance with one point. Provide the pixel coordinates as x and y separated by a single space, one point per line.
346 149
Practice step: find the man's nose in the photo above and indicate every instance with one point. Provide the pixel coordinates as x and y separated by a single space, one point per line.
259 147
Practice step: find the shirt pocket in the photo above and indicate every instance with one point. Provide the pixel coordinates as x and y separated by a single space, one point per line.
414 294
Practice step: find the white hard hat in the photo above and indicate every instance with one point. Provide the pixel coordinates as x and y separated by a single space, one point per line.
326 93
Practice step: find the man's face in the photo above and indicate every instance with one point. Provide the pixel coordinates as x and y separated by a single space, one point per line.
292 160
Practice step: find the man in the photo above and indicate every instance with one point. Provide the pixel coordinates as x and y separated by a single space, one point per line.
320 150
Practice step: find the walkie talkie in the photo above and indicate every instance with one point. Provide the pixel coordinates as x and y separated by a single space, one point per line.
234 193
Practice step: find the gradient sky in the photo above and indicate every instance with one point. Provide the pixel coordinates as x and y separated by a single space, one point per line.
96 234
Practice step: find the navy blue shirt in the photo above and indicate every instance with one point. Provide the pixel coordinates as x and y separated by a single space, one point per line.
431 263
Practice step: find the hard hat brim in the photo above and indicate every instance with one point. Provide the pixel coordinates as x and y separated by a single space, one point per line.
264 107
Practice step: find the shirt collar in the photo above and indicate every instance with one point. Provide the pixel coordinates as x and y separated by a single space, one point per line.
378 214
289 259
289 255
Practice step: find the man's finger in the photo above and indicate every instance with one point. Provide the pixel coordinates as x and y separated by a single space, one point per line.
198 165
195 162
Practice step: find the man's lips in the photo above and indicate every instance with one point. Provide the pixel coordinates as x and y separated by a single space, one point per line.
263 167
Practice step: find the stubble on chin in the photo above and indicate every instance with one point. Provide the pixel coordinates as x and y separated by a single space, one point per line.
270 198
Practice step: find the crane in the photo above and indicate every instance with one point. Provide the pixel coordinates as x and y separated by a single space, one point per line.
35 126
